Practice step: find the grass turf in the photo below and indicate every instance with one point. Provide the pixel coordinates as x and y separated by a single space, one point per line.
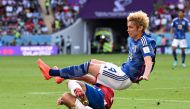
22 85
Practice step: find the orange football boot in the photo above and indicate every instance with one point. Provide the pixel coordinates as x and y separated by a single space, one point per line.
59 80
44 69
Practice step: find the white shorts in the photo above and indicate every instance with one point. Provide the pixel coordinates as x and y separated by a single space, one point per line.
179 42
112 76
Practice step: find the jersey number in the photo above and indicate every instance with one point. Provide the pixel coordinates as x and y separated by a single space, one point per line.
111 69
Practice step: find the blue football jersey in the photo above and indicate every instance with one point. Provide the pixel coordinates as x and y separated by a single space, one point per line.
95 97
180 27
135 65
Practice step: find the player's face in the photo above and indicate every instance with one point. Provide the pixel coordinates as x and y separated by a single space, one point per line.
133 30
181 14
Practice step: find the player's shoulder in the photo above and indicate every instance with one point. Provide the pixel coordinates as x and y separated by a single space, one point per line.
175 19
185 19
145 39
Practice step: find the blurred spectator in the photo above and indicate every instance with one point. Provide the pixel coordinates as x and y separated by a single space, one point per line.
62 44
56 25
164 12
44 29
65 12
25 15
163 44
17 34
1 43
47 5
68 45
20 16
57 43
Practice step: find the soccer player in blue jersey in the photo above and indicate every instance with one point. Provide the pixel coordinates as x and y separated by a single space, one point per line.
138 67
179 26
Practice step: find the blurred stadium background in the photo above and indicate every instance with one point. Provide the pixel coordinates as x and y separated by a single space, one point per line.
57 30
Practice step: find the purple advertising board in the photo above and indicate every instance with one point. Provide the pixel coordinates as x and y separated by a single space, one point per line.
94 9
28 50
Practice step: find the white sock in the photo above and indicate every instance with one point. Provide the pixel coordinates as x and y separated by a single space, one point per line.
72 85
79 105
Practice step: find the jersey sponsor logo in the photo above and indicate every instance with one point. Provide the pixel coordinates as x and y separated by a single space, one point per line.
146 50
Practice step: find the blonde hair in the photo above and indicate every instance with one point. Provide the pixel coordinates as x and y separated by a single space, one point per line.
140 18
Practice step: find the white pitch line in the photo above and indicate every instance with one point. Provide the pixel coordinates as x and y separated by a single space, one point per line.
172 88
121 98
130 89
143 99
44 93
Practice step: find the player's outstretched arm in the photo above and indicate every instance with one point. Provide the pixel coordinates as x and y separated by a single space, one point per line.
148 67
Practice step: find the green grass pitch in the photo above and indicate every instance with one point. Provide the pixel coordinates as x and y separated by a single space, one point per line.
23 87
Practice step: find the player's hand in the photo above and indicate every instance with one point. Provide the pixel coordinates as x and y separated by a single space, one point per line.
143 78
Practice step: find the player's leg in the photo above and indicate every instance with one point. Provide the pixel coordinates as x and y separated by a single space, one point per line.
71 102
67 72
174 56
92 67
109 75
183 55
58 80
183 45
45 71
71 71
175 43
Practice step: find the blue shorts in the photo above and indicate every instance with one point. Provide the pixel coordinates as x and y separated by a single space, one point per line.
95 97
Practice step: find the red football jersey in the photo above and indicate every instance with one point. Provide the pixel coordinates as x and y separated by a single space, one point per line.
108 95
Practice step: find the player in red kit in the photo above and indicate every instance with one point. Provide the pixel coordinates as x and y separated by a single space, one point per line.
85 96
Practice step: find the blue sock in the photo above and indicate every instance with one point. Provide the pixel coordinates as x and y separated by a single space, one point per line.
174 55
183 57
54 72
71 71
